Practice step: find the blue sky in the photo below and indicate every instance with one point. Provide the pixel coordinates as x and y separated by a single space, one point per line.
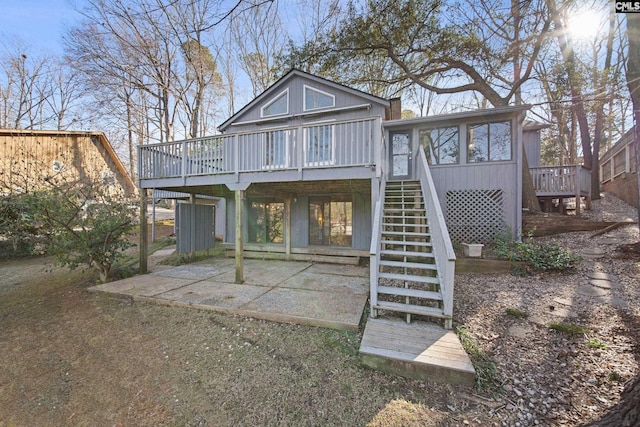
38 23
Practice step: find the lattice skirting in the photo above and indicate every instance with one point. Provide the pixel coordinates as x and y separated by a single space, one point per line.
475 216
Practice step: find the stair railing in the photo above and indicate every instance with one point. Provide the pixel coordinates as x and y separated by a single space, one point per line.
374 251
443 252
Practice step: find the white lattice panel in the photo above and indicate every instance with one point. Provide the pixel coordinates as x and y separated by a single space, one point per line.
475 216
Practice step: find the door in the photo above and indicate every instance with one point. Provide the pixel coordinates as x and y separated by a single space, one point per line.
400 155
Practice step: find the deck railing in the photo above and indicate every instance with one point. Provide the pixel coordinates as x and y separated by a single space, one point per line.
443 252
567 181
321 145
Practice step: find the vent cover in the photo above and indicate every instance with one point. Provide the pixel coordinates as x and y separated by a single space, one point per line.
475 216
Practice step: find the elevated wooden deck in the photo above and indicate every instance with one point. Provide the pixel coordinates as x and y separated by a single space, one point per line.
416 350
562 182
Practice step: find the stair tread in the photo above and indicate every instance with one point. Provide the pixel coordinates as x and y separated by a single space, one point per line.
407 253
406 243
402 224
409 278
406 233
391 263
408 292
411 309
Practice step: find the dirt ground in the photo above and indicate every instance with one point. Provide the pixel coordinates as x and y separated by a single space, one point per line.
71 357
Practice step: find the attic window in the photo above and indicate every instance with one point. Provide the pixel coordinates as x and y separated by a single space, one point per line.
108 179
315 99
57 166
278 106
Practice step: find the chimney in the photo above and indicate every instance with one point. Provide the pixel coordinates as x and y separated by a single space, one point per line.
395 109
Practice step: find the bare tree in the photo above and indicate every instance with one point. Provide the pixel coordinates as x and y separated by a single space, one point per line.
259 39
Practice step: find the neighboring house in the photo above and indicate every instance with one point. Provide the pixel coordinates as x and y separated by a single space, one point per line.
311 169
618 170
29 157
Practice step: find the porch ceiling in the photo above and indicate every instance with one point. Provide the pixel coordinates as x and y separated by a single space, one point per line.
284 188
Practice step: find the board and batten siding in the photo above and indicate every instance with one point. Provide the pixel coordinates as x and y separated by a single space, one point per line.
295 88
27 157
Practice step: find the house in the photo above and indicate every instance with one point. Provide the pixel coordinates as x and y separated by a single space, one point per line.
618 170
311 169
29 157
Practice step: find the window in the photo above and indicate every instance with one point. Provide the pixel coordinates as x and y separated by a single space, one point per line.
275 149
330 220
315 99
266 221
57 166
278 106
442 145
108 179
489 142
319 145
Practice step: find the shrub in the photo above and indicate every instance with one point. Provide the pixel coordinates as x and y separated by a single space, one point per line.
538 256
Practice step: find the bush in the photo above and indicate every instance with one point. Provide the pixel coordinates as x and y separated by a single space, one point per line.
538 256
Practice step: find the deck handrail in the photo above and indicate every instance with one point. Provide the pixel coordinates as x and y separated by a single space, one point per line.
374 250
564 180
323 144
443 252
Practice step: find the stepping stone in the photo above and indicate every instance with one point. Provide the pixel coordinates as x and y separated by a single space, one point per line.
612 241
591 291
604 284
564 301
592 252
615 302
601 276
518 331
563 312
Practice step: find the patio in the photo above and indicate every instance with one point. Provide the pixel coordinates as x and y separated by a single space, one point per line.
326 295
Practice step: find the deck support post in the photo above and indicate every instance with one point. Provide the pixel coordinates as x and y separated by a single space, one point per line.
287 226
192 231
143 268
239 247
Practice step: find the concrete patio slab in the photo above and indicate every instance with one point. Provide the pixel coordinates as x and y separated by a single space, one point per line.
283 291
195 272
145 285
265 273
305 306
318 282
216 294
341 270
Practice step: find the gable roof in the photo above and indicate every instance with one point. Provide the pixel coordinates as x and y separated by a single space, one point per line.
102 140
294 72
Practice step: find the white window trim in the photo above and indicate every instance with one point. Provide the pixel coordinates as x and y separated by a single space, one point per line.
57 166
329 162
265 147
304 98
275 98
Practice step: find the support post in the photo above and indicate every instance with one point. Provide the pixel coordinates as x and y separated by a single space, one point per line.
153 218
192 228
239 246
578 178
143 232
287 232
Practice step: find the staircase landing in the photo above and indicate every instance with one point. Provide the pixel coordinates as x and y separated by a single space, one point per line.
416 350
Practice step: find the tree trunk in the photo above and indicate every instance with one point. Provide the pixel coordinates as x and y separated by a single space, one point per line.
627 412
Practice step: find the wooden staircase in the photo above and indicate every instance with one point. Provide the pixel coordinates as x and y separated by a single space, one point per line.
407 275
412 273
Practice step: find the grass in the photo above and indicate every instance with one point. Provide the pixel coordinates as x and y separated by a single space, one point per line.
568 328
596 343
486 373
517 314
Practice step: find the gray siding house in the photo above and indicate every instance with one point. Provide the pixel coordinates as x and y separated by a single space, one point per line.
311 169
